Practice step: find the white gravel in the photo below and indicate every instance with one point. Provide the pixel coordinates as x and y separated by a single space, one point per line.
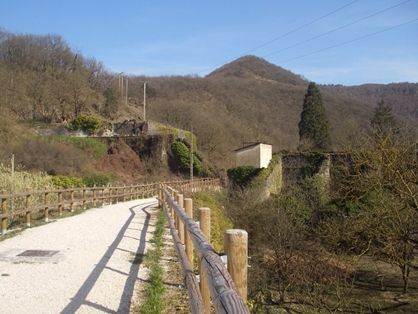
92 272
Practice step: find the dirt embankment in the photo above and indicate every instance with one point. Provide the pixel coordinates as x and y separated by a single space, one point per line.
123 162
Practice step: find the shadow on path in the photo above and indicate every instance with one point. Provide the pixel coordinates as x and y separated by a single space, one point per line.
80 298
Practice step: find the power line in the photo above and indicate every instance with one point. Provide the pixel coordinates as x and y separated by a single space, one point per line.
336 29
286 34
303 26
349 41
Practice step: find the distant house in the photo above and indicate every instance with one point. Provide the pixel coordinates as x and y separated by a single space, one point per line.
257 155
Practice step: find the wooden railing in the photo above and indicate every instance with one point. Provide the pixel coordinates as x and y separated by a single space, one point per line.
226 286
19 204
228 290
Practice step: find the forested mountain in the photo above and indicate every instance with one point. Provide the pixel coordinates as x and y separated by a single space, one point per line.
42 80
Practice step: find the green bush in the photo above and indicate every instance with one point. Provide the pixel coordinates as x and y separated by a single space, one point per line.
314 160
67 182
181 154
90 124
242 175
97 179
219 222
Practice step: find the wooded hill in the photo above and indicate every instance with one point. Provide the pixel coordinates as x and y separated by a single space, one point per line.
42 81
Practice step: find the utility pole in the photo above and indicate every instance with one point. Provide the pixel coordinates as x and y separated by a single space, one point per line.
126 101
12 162
120 75
191 153
145 98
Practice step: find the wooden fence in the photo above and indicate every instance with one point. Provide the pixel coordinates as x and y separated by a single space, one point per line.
226 286
228 290
20 204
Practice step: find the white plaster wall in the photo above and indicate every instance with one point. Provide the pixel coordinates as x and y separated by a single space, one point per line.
248 157
265 155
257 156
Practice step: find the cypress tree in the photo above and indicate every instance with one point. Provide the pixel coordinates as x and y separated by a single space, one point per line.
314 131
383 121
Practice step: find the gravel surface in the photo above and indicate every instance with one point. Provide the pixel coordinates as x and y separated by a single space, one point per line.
87 265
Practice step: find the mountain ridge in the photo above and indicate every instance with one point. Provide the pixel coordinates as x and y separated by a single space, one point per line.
246 100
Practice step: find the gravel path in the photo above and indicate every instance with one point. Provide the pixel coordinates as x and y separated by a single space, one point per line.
88 264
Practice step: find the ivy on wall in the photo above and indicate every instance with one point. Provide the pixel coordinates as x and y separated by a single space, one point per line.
242 175
181 154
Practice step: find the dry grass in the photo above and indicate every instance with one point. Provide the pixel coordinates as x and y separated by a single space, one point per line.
378 286
175 289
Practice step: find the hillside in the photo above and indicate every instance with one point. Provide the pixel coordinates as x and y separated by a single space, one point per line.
250 99
43 82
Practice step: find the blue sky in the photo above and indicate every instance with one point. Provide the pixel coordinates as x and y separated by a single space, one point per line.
330 42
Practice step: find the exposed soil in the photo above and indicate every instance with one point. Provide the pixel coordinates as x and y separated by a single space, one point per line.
122 161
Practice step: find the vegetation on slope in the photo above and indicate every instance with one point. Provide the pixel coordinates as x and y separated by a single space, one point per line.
43 81
346 247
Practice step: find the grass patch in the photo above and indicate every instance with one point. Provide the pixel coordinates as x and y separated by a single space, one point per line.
90 145
10 234
18 225
219 222
155 303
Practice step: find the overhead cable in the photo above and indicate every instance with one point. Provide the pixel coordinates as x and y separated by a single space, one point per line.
349 41
288 33
336 29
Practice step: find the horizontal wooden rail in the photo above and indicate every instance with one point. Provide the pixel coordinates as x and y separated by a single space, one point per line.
223 291
56 199
195 298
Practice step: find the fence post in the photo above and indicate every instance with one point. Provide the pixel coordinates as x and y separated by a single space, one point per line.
176 218
27 206
110 196
172 212
117 196
180 202
160 197
84 197
94 195
59 201
71 200
204 220
4 211
236 250
124 194
130 192
188 206
103 195
46 205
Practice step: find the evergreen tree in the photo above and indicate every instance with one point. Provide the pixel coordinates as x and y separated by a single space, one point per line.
314 131
383 121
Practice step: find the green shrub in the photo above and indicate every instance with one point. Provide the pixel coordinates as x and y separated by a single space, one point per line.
242 175
314 160
181 154
97 179
90 124
67 182
219 222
